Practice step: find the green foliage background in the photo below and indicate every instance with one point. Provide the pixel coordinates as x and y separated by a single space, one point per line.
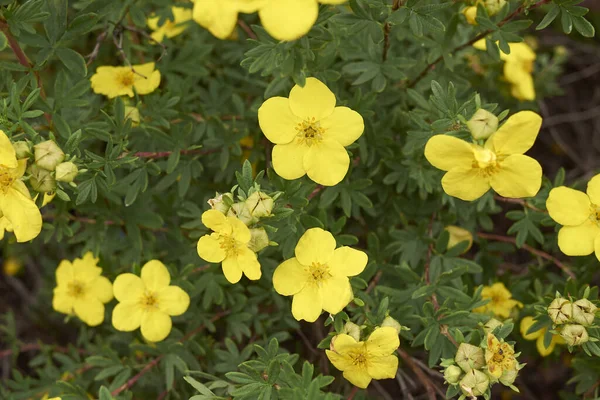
407 68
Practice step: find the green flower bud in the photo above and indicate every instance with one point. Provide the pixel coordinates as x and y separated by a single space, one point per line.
22 149
452 374
48 155
584 312
66 172
508 377
41 180
242 212
221 202
560 310
258 239
475 383
482 124
391 322
260 204
133 114
457 235
493 7
469 357
574 335
491 325
353 330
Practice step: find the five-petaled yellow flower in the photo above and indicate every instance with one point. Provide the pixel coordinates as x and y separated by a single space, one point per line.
82 290
518 68
228 244
363 361
121 81
148 302
499 357
170 28
579 213
310 133
501 302
318 276
538 336
18 211
283 19
499 164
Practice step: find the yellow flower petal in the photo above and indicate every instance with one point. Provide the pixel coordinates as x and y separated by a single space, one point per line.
332 1
447 152
288 160
343 343
315 246
146 78
383 341
219 17
210 249
521 80
155 275
307 304
593 189
347 261
344 125
568 206
578 240
8 157
327 162
340 361
62 302
290 277
336 293
277 121
101 289
22 213
249 264
543 350
232 270
156 326
173 300
239 230
127 317
466 184
128 287
314 100
289 19
597 247
216 221
90 310
518 176
64 273
526 323
106 81
359 377
384 367
519 52
518 133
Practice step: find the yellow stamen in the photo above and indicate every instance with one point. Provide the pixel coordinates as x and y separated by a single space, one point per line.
76 288
310 132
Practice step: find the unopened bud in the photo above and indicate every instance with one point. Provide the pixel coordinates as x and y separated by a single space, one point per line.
22 149
452 374
48 155
574 335
584 312
133 114
482 124
475 383
470 14
491 325
66 172
242 212
392 323
557 309
457 235
469 357
260 204
352 330
41 179
221 202
508 376
258 239
493 7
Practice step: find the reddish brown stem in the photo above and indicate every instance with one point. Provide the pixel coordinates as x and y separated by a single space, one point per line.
163 154
353 393
520 202
424 379
247 29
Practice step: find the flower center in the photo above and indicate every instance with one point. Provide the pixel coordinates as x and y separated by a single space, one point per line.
149 301
6 179
528 66
319 273
595 214
76 288
310 131
229 244
358 358
126 78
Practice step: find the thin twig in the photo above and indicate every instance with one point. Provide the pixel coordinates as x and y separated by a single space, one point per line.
247 29
163 154
424 379
520 202
374 281
572 117
532 250
353 393
387 27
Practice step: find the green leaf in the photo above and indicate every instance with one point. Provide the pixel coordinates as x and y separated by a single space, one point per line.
72 60
104 394
548 18
3 41
584 27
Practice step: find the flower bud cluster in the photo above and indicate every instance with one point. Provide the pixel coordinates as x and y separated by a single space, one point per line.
48 167
572 318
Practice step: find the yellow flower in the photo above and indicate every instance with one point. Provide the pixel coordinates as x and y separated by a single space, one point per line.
458 235
170 28
148 302
228 244
538 336
318 276
21 215
82 290
470 14
310 133
220 17
518 68
499 356
132 113
499 164
501 302
121 81
363 361
579 213
11 266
